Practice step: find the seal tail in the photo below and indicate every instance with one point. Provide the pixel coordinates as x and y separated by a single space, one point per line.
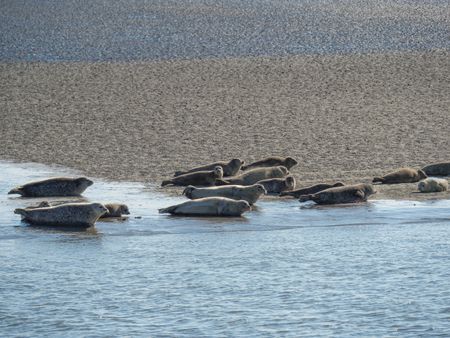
378 179
168 210
188 191
17 190
20 211
244 167
166 182
304 198
178 173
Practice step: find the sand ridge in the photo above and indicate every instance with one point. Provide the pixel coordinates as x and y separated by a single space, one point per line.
344 117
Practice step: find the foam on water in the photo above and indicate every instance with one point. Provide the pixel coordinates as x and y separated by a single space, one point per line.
288 269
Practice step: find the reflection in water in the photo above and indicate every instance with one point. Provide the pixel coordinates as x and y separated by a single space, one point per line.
284 269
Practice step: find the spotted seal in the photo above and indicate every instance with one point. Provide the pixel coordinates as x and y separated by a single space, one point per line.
53 187
433 185
347 194
437 169
311 189
198 178
278 185
68 214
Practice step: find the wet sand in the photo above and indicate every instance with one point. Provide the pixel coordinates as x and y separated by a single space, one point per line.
347 117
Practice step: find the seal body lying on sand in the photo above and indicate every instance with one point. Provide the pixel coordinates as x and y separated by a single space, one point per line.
437 169
115 210
58 186
339 195
255 175
272 161
402 175
69 214
249 193
311 190
209 206
202 178
230 168
433 185
278 185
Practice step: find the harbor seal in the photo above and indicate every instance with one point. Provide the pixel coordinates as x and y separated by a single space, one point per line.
255 175
201 178
340 195
311 189
53 187
249 193
230 168
402 175
69 214
278 185
209 206
272 161
433 185
437 169
115 210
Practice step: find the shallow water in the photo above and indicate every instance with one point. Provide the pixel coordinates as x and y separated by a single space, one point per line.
152 30
380 269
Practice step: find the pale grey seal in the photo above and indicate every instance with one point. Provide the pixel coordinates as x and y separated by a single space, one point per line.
278 185
433 185
209 206
249 193
255 175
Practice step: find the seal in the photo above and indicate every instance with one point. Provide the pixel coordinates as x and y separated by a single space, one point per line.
115 210
255 175
437 169
402 175
272 161
347 194
278 185
70 214
250 193
433 185
53 187
230 168
311 189
202 178
209 206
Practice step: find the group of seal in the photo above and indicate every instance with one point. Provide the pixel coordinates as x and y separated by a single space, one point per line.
65 213
271 176
217 189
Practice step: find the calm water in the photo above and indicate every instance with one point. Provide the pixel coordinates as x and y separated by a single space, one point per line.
381 269
67 30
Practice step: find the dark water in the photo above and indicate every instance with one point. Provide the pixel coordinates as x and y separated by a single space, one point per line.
63 30
381 269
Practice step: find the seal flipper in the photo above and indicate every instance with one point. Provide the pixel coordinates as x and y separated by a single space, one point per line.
304 198
168 210
188 191
166 182
20 211
360 194
17 190
178 173
378 179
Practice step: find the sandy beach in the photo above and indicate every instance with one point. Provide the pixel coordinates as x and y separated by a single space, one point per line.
347 117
